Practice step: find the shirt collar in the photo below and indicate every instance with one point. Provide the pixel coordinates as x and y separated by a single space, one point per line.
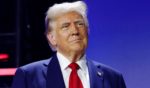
64 62
82 63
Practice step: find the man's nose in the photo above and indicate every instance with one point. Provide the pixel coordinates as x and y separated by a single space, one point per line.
74 29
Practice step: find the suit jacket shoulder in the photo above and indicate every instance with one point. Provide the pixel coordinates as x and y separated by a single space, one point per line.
106 68
35 65
32 75
110 76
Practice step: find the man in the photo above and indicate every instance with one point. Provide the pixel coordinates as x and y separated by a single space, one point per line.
67 34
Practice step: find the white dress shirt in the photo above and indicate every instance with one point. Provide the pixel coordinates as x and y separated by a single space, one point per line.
82 72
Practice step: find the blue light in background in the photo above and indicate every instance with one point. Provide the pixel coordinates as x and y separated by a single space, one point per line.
120 37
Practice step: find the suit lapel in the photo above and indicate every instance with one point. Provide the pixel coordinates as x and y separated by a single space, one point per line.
54 78
54 75
95 75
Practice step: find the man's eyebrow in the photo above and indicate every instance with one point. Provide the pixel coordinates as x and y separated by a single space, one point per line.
79 20
75 21
65 23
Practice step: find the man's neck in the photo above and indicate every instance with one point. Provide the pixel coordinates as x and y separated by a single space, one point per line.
72 57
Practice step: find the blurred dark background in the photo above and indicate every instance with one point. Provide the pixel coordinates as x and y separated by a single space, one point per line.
22 36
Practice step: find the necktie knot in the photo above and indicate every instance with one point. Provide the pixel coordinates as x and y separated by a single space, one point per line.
74 66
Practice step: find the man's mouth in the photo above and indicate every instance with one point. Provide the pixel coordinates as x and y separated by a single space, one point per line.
75 40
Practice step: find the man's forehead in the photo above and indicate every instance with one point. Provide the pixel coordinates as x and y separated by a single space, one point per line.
66 15
69 20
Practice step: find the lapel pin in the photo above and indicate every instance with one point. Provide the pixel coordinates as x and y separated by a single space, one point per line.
99 73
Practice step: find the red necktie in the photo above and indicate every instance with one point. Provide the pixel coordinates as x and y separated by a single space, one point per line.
74 80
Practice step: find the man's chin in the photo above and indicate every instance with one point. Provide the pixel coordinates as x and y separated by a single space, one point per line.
77 48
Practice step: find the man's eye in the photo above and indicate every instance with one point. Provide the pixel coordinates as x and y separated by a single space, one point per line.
65 26
80 24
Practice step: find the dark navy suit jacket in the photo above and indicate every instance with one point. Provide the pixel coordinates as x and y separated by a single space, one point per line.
47 74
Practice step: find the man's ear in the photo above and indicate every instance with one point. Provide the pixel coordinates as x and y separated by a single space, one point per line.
51 38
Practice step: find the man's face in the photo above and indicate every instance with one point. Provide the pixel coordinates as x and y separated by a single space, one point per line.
70 33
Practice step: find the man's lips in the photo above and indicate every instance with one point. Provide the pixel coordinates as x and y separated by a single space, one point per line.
75 40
